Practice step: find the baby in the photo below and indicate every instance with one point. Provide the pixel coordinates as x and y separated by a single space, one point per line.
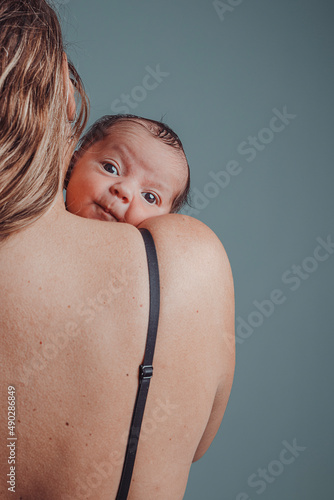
127 169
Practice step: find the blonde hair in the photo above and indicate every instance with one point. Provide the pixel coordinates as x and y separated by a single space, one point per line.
35 135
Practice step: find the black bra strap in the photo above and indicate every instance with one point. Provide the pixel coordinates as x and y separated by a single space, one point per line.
145 369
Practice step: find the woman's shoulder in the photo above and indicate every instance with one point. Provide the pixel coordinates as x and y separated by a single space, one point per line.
187 249
172 233
187 239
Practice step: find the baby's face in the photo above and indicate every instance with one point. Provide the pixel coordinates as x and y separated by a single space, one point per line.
128 177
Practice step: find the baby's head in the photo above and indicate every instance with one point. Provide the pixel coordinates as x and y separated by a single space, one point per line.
127 169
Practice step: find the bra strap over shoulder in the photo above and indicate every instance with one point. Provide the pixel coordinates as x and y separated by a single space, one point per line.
145 369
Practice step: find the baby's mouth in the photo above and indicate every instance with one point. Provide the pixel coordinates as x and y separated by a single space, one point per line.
110 214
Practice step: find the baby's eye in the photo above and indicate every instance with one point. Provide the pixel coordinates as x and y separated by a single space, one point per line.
109 167
150 198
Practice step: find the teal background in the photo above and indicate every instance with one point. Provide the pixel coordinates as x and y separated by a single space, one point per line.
226 75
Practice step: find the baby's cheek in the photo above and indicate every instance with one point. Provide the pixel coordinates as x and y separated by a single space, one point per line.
70 198
72 185
166 210
80 186
147 214
74 199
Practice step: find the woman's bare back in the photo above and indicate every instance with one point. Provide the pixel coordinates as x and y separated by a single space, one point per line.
74 313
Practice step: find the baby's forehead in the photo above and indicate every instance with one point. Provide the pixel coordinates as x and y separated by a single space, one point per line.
127 130
121 135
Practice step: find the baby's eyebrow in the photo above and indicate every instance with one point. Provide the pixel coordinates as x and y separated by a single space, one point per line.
121 149
155 184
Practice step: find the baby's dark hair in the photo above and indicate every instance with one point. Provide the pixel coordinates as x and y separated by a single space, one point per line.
101 129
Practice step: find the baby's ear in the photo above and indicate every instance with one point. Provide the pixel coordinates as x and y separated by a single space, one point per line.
70 169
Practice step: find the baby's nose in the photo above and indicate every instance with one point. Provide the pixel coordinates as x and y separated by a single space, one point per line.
122 191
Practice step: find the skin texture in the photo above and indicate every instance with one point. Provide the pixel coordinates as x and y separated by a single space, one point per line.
73 323
129 176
